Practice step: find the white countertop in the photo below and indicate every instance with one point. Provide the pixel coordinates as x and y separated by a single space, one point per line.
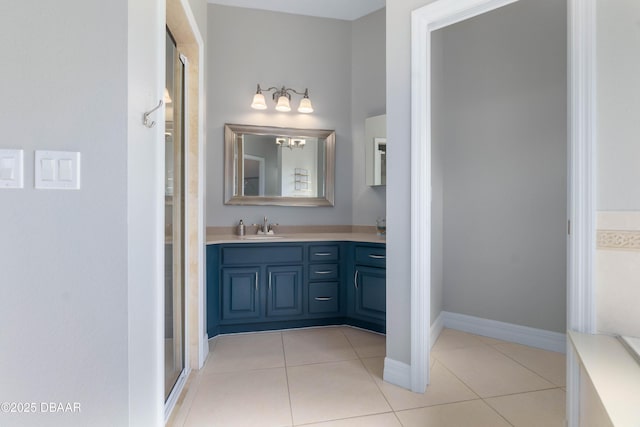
213 239
614 373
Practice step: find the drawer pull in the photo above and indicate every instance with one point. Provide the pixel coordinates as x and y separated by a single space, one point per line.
323 254
323 272
269 280
377 256
256 281
355 279
324 298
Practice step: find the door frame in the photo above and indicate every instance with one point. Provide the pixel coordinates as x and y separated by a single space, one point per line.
424 21
581 175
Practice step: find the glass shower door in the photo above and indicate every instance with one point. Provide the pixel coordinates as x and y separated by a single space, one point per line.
174 218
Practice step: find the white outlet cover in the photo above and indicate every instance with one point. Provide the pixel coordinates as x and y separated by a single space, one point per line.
11 168
57 170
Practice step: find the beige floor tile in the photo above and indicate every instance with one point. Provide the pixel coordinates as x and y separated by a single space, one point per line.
380 420
238 399
366 344
539 408
451 339
548 364
332 391
444 388
316 346
234 353
491 341
474 413
490 373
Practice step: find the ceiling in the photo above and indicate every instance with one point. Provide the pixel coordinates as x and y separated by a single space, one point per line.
339 9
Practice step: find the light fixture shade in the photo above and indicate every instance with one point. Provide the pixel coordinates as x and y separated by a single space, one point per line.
283 104
259 103
305 106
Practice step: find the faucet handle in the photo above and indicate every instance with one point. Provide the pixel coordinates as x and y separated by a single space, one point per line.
271 226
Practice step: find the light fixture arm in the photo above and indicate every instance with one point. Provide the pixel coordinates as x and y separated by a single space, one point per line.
279 92
282 91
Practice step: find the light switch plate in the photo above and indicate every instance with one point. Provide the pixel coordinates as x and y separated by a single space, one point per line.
11 168
57 170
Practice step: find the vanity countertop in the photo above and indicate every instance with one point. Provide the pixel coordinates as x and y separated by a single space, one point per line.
213 239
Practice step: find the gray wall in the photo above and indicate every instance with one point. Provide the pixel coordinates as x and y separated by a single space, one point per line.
438 142
368 99
246 47
505 165
398 68
618 105
63 254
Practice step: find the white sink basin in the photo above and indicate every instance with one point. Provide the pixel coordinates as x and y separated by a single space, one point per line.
261 237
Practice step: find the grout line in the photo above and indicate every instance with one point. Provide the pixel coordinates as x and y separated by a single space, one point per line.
498 412
355 417
521 392
458 378
525 366
286 374
397 418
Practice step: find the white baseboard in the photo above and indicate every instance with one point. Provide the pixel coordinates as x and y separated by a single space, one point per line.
539 338
397 373
436 328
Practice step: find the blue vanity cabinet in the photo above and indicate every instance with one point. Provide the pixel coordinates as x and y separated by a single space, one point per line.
279 285
240 293
324 299
284 291
368 290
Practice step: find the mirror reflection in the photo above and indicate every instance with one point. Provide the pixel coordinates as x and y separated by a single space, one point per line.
376 150
280 166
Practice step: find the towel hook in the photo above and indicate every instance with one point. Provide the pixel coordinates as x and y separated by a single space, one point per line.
149 123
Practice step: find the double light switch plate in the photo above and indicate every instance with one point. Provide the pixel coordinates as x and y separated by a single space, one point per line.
57 170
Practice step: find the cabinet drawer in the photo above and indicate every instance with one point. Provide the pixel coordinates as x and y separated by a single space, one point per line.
323 271
375 256
324 253
261 254
323 297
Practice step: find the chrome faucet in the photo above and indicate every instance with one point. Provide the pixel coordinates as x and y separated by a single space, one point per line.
265 226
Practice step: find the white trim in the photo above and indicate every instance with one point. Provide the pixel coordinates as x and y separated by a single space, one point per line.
423 21
581 102
397 373
539 338
582 167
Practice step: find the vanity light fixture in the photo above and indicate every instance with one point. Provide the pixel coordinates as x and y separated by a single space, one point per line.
291 143
282 97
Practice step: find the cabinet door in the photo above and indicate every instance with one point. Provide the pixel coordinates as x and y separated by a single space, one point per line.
284 291
240 295
370 292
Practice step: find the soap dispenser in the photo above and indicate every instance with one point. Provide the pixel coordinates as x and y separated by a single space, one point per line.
241 228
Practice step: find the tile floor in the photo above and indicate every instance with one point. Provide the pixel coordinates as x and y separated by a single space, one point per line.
332 377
